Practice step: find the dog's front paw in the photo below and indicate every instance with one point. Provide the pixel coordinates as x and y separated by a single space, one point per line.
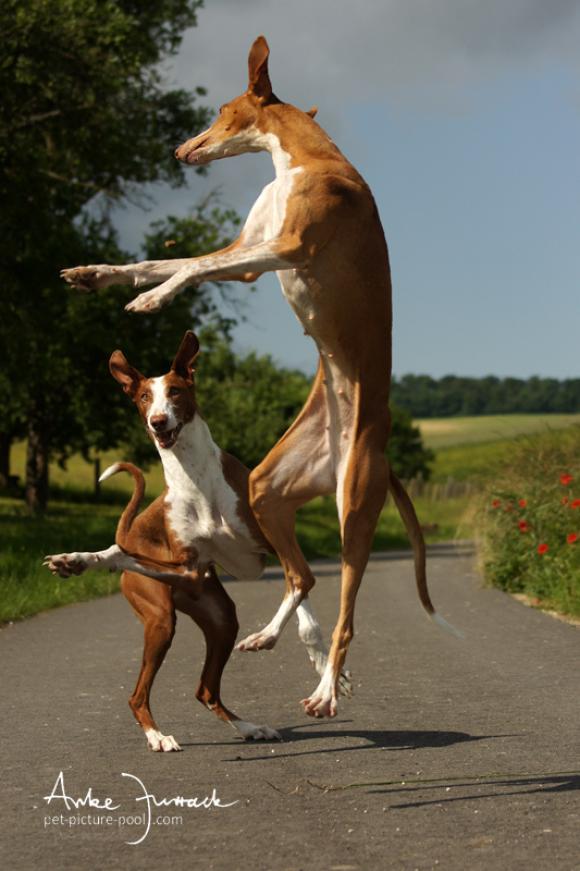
146 303
88 278
65 564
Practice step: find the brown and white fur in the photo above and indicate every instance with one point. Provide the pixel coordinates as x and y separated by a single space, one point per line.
318 227
168 553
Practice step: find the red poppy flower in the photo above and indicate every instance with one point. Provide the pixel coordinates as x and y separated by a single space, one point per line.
542 549
523 525
495 503
572 538
566 479
575 503
523 503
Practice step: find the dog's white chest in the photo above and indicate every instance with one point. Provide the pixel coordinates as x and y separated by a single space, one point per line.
202 508
266 217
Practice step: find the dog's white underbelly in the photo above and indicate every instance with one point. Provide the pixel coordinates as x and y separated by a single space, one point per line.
224 541
335 443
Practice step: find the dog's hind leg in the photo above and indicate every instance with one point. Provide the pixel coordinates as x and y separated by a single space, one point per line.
154 607
215 613
361 493
296 470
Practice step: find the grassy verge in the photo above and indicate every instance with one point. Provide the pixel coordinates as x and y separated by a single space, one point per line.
26 587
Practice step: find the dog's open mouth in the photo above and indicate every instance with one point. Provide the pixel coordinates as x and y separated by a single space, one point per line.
168 437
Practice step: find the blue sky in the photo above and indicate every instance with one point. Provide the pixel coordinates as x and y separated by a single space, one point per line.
465 120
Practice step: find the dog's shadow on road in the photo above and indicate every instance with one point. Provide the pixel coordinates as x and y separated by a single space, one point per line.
373 739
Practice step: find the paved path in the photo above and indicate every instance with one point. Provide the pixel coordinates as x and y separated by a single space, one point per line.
452 755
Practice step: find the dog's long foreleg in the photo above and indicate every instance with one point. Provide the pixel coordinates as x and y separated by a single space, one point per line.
235 261
264 257
116 560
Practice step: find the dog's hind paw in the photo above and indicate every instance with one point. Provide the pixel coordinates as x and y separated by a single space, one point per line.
319 659
251 732
345 684
263 640
160 743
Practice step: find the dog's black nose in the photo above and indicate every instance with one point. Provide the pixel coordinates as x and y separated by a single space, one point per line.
158 422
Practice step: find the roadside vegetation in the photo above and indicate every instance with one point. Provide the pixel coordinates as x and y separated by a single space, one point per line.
530 522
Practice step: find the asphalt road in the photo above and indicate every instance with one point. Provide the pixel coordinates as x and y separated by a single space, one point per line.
452 754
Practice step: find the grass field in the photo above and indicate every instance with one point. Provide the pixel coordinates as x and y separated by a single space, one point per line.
468 449
443 433
472 448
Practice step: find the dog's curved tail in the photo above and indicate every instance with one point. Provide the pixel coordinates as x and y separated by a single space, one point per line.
409 518
132 507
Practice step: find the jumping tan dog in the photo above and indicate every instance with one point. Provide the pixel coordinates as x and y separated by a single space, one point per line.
318 227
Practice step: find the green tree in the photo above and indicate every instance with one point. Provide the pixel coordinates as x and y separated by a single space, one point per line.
409 457
71 403
248 401
85 120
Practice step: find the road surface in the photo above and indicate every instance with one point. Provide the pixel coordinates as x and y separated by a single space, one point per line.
452 754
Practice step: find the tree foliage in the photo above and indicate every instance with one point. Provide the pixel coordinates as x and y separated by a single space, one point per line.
84 111
68 383
423 396
248 401
408 455
85 119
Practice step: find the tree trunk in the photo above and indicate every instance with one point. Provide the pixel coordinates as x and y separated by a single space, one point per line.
36 468
97 475
5 444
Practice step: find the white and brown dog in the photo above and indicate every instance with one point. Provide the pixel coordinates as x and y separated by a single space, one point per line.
168 553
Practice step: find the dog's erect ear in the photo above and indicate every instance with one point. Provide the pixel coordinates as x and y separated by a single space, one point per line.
313 111
128 377
184 359
259 80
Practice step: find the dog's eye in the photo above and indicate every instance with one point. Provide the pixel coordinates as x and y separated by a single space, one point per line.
145 397
174 391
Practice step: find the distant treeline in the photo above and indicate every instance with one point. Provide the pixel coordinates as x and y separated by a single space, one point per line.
423 396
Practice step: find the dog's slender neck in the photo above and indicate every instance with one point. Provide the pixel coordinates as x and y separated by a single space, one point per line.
281 157
294 141
191 457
